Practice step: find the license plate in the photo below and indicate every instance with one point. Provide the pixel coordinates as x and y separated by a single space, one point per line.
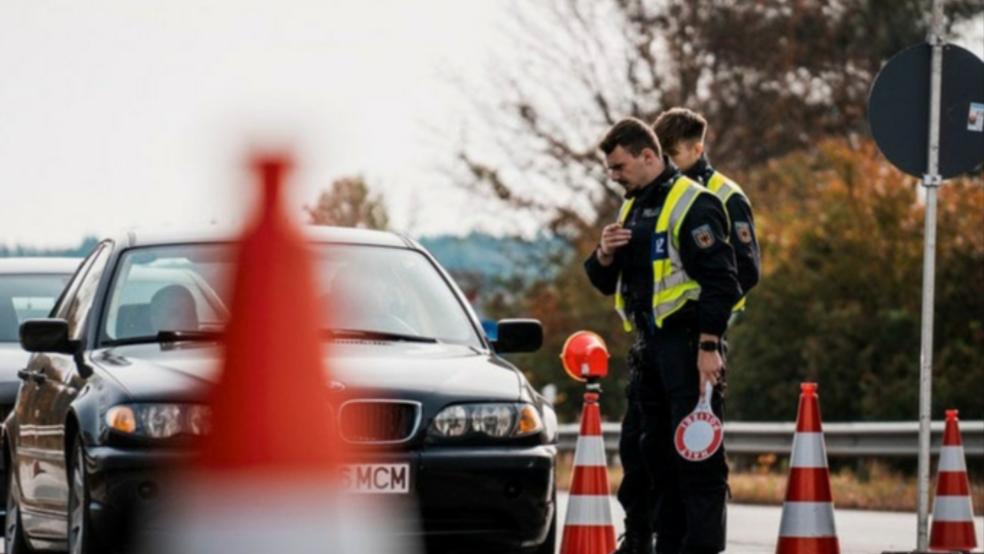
376 478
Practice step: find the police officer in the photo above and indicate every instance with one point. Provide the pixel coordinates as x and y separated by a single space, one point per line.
681 134
668 262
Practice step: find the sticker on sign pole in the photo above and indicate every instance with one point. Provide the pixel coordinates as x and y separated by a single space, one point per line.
700 434
975 119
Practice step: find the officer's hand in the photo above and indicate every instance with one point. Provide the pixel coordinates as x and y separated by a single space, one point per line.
710 365
613 236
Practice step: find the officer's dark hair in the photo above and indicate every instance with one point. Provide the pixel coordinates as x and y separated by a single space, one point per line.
678 125
631 134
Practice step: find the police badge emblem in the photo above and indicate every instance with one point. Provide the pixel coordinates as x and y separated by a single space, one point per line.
703 236
743 231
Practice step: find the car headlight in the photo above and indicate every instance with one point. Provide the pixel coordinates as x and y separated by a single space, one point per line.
160 421
498 420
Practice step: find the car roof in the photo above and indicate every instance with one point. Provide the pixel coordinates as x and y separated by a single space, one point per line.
38 264
314 233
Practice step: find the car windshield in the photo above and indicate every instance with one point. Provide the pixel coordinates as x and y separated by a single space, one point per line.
381 293
24 297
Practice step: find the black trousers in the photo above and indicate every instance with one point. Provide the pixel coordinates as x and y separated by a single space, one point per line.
683 502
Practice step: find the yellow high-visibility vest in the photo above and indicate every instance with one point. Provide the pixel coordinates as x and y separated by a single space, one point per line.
724 188
672 287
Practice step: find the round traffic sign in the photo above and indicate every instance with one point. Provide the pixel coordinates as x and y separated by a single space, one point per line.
898 110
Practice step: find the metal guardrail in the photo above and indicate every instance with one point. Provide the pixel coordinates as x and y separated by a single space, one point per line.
882 439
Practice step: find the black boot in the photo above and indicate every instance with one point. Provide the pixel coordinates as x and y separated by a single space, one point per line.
634 542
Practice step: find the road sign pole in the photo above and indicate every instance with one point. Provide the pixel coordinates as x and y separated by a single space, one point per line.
931 182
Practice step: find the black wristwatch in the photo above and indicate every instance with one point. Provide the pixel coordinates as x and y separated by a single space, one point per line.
709 345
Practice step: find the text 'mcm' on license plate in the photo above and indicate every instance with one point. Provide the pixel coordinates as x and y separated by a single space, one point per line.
376 478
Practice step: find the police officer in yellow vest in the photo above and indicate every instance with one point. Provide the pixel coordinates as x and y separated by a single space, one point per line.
681 134
669 264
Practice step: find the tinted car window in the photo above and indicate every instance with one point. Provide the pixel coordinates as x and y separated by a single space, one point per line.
364 288
25 297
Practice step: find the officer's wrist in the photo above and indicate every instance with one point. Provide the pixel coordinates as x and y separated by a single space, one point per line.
709 343
603 258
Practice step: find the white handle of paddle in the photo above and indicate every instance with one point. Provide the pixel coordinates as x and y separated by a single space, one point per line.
705 399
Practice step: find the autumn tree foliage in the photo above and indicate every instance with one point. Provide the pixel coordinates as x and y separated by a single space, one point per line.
841 298
839 301
349 203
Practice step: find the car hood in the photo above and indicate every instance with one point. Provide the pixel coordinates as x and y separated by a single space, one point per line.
162 371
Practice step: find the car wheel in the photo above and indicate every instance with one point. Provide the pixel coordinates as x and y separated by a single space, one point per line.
80 538
13 537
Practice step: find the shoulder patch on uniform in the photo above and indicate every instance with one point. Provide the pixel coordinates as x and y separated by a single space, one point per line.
743 231
703 236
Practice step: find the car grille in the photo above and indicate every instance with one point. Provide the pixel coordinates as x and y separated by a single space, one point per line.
378 421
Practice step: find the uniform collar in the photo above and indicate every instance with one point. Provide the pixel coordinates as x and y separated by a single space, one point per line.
701 171
662 181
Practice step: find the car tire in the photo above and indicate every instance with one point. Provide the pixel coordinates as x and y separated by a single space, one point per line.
14 541
81 539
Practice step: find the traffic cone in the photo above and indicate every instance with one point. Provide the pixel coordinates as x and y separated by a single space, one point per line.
953 515
808 513
588 528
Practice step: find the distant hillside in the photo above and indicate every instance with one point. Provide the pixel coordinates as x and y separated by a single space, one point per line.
494 258
80 251
491 258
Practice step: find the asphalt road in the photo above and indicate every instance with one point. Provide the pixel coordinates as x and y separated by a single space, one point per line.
753 529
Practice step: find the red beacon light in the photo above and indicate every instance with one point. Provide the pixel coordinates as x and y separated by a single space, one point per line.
585 356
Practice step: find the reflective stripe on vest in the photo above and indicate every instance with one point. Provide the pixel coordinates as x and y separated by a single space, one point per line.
724 188
623 213
672 287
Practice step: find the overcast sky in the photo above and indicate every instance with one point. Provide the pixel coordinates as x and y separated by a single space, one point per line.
122 113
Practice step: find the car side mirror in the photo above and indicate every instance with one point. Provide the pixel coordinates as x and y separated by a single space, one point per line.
518 335
46 335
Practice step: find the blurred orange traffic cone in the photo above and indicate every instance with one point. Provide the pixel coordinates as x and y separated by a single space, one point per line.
588 528
808 513
273 368
953 516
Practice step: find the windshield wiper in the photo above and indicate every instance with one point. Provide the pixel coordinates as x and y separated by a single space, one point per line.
375 335
175 335
169 336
